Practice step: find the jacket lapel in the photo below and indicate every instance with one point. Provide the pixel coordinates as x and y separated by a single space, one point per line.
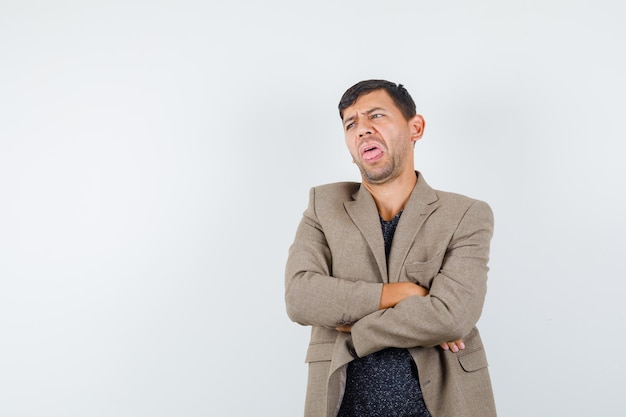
363 212
421 204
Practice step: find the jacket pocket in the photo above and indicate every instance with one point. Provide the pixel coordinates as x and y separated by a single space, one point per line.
320 352
473 360
422 273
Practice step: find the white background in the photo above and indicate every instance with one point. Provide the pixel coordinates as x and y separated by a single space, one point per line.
156 157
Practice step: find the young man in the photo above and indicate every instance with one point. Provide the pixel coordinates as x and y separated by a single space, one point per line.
391 276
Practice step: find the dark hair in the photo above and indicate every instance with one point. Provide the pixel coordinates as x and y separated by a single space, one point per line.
397 92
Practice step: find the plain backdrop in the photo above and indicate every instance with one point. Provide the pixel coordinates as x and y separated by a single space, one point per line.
156 157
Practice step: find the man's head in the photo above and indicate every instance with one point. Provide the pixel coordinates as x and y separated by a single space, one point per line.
381 127
400 96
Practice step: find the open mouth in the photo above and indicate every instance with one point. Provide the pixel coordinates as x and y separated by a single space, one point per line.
371 153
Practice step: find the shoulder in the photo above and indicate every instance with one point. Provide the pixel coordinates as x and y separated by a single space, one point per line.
456 198
463 205
328 200
336 191
452 205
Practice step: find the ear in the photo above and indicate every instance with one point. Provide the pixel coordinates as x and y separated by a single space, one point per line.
417 125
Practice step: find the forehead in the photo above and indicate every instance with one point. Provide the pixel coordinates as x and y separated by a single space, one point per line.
377 99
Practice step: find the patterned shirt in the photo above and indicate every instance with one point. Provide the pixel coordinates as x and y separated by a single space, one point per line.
385 383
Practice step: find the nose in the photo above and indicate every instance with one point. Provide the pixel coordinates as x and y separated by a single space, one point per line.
364 128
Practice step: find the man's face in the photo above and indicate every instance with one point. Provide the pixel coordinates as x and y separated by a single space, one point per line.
379 138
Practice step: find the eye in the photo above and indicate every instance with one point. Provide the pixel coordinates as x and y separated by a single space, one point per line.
376 116
349 126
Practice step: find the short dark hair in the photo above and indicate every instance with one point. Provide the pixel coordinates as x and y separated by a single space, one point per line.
397 92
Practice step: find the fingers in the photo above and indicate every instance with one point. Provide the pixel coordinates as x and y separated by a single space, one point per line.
453 346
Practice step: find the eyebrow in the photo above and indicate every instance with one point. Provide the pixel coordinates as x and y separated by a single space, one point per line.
368 112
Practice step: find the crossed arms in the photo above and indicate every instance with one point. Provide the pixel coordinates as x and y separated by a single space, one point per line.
401 314
395 292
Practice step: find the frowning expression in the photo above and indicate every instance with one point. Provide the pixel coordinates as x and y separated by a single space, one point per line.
379 137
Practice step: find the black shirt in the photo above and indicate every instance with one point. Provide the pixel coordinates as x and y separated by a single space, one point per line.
385 383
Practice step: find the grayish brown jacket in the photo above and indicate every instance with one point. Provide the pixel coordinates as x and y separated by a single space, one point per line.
334 276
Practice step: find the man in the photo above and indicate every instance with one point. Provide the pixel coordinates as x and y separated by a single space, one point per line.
391 276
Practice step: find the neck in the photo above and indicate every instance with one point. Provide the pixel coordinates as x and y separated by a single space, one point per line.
391 197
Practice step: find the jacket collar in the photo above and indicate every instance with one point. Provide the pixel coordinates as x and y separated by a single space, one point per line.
363 212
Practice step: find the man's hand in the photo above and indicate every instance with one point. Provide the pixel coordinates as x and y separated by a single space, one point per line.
395 292
391 295
453 346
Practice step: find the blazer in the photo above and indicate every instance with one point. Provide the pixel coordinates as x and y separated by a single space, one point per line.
334 275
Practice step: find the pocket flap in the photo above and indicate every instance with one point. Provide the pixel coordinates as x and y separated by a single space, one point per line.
320 352
474 360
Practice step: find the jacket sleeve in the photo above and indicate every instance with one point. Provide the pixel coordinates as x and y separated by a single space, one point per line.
312 295
455 300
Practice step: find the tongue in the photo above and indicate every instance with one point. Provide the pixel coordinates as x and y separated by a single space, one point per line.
372 154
